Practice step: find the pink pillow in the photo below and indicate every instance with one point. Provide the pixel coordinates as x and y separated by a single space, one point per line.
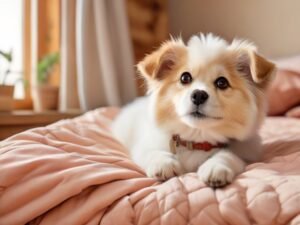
284 94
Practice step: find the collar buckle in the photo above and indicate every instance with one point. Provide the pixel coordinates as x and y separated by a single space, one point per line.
189 145
174 143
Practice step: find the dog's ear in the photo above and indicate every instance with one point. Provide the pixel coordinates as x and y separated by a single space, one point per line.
254 66
162 61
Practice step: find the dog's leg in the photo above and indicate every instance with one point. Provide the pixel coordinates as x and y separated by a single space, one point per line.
158 164
221 169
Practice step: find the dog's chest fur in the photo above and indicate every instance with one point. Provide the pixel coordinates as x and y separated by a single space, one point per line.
192 159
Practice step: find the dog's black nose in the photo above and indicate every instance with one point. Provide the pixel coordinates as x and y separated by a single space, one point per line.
199 97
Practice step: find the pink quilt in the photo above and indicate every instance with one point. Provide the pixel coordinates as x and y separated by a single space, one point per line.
74 172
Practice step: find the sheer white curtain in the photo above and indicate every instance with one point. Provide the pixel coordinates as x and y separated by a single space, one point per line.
97 56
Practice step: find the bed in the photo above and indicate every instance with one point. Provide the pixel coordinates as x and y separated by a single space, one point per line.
75 172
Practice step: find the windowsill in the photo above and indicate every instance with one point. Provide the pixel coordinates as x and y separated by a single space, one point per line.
20 117
21 120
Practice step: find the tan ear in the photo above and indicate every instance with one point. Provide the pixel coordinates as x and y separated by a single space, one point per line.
162 61
256 67
261 69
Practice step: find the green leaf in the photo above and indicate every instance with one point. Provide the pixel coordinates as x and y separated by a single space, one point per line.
46 65
7 55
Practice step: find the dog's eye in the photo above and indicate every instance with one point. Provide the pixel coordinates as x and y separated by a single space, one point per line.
186 78
222 83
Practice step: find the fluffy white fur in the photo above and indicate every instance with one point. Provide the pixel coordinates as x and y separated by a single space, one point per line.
149 148
204 48
137 128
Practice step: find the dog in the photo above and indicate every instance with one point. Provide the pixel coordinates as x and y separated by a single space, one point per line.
205 104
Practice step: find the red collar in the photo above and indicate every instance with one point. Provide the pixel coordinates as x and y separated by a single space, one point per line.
176 141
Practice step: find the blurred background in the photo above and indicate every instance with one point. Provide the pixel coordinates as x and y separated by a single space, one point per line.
67 55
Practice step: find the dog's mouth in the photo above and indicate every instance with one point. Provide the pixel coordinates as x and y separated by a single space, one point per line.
200 115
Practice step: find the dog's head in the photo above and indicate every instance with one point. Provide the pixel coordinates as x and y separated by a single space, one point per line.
207 85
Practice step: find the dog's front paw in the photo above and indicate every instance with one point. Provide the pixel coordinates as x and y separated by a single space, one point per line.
164 167
215 175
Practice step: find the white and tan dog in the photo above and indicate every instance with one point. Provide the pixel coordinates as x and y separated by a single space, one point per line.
205 105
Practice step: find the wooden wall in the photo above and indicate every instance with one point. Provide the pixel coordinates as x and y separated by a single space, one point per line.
148 23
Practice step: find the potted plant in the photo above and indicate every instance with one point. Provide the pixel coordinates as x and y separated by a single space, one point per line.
45 95
6 91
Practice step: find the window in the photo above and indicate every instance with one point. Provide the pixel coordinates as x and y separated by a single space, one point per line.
11 39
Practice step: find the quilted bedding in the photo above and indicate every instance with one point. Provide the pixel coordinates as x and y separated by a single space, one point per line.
74 172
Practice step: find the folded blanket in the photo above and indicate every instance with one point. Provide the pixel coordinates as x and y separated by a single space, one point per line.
74 172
